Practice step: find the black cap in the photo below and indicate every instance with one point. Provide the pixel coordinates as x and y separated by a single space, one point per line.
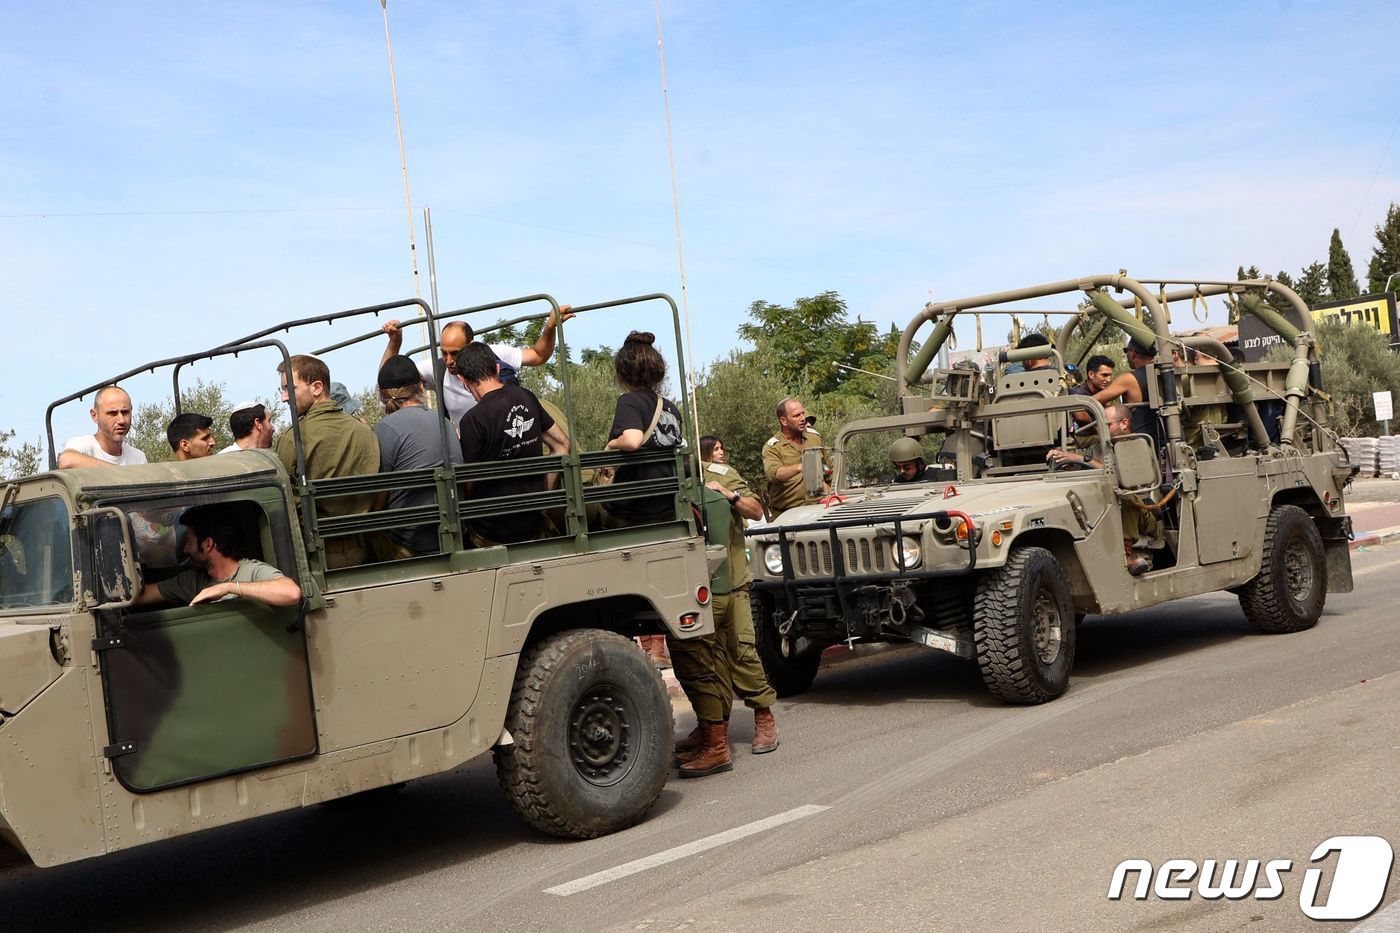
398 371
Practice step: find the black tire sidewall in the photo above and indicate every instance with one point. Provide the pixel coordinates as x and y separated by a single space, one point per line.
1043 570
787 676
600 658
1296 525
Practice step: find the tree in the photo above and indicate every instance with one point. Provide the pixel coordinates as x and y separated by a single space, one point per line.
21 460
1232 304
737 397
1385 258
151 418
808 343
1341 277
1277 301
1312 284
1356 361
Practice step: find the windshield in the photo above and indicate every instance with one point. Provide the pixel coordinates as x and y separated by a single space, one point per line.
36 555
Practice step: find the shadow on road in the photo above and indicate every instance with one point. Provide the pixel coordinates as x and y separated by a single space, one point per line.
228 877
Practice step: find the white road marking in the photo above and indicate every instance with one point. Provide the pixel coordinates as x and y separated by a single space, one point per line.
680 852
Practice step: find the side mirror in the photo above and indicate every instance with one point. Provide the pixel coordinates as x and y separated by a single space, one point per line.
813 479
1135 463
113 582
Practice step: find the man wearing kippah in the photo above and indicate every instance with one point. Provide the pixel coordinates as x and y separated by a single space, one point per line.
410 438
250 427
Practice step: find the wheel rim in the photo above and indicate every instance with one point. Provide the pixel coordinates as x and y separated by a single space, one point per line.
600 735
1046 621
1298 571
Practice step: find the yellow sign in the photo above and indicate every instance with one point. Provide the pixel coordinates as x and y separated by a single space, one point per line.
1373 310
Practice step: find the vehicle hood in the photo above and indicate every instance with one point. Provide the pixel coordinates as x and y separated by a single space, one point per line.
976 499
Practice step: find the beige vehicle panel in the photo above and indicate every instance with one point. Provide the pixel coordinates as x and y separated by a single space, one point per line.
50 797
398 658
661 574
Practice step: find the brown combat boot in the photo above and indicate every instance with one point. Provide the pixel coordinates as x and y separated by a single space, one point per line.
714 757
688 747
765 731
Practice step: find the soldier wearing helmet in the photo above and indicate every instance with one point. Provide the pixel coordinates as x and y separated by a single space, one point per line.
907 455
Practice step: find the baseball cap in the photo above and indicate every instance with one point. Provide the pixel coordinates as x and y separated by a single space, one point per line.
398 371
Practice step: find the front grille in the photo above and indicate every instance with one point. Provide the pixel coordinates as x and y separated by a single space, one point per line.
861 555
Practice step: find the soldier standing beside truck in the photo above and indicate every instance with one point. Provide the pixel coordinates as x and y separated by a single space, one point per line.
782 458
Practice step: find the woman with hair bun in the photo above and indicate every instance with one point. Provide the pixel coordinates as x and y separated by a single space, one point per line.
644 420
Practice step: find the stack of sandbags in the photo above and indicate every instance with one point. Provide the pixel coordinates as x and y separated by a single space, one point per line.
1388 455
1362 452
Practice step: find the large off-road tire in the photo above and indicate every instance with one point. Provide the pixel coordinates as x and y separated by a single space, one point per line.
789 676
1023 627
1291 589
592 729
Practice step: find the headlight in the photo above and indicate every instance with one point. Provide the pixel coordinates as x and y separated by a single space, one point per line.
773 559
912 553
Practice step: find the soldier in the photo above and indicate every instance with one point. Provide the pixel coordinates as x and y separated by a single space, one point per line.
907 455
190 435
713 670
1137 522
111 412
334 445
782 458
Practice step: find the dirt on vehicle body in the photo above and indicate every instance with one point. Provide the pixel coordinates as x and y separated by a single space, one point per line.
124 724
999 561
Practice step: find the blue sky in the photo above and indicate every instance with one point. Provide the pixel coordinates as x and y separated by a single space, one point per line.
176 174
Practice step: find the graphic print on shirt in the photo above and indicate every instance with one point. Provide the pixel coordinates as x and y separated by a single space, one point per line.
668 431
517 423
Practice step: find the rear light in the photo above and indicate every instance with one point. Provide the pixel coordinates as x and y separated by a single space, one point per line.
688 621
702 595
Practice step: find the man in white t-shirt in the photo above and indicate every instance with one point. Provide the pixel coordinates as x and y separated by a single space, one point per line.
454 338
111 412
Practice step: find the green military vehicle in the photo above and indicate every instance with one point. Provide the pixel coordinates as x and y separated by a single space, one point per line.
995 555
122 724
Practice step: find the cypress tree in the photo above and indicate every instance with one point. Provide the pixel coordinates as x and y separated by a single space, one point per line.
1341 277
1385 258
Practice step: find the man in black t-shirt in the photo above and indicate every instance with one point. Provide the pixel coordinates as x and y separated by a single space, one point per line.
507 423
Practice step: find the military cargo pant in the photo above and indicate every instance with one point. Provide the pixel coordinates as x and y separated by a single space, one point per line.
717 668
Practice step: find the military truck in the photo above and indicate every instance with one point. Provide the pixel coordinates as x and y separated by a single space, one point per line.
999 560
122 725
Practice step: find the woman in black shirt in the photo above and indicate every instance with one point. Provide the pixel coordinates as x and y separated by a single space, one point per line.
644 420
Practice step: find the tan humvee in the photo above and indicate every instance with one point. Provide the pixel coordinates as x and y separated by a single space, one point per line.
996 556
122 725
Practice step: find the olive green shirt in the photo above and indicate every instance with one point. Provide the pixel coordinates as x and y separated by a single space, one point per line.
335 445
736 571
779 451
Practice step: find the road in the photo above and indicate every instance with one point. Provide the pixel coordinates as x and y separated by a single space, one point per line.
902 798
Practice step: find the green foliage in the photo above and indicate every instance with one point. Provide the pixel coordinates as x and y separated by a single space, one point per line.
1385 257
736 398
1312 284
805 343
1341 278
19 460
1277 302
150 419
371 410
594 389
1356 361
1232 303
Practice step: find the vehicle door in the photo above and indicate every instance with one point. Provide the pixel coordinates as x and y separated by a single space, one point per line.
197 692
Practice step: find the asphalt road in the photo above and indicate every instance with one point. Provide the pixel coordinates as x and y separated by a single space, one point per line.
903 797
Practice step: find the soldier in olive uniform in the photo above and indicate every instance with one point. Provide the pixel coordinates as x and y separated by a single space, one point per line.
782 458
715 669
333 443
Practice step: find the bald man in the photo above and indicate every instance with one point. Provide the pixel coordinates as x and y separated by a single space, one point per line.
111 412
454 338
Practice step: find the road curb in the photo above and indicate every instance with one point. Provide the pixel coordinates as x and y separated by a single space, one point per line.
1373 538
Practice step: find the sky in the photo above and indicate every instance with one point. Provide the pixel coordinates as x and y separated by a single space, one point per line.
175 175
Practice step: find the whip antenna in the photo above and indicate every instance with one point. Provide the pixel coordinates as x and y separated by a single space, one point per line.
403 162
680 252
